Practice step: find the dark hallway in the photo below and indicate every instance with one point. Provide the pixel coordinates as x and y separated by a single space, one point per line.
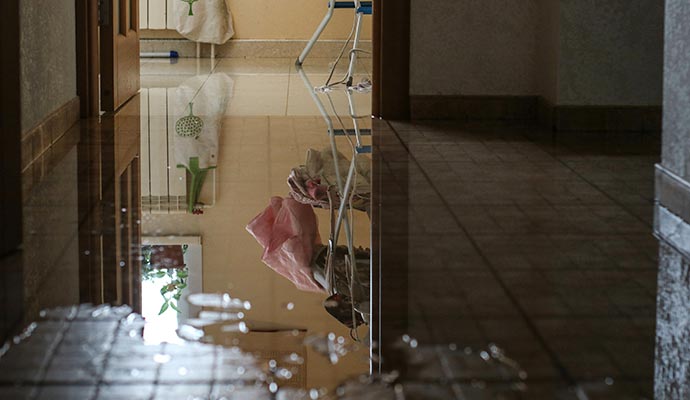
443 200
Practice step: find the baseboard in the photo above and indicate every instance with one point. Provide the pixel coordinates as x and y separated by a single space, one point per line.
473 108
566 118
41 144
545 113
146 34
559 118
246 48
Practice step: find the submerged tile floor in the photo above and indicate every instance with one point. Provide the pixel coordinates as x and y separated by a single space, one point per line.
543 245
482 235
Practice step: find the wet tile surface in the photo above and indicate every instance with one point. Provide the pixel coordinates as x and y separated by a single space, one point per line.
543 246
505 262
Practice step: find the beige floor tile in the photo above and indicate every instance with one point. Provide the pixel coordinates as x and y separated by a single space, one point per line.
258 95
301 101
254 66
179 67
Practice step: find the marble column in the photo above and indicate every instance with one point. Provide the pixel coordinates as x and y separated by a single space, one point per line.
672 225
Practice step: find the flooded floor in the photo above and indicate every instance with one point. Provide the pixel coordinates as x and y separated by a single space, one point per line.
279 243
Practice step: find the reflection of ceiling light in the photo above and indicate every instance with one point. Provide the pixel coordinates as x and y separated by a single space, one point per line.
188 332
220 316
161 358
220 300
239 327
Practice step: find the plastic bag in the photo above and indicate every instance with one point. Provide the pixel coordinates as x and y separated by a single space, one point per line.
288 232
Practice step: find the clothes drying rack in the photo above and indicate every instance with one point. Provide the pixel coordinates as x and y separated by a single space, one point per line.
361 9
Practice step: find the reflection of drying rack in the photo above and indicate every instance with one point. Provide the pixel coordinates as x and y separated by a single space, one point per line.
346 188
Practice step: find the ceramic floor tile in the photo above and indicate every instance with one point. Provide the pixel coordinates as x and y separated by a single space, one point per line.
300 100
181 66
510 264
258 95
254 66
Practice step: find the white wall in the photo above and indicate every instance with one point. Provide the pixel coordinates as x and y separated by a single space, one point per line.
548 48
611 52
572 52
473 47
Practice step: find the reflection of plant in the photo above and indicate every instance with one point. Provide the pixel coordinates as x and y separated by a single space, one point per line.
191 12
172 291
198 175
174 284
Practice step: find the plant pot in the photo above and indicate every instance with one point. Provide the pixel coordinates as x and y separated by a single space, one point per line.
167 257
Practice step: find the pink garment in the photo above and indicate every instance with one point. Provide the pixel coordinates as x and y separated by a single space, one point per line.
288 231
316 190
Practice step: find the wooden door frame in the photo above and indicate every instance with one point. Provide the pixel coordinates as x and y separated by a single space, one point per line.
10 131
119 33
88 57
391 59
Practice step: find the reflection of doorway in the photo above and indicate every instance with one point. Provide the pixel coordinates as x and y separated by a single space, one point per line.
10 164
169 260
107 54
109 198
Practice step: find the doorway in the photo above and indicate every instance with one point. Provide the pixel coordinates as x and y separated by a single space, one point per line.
107 50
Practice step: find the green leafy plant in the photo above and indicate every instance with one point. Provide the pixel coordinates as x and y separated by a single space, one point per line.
175 279
198 176
172 291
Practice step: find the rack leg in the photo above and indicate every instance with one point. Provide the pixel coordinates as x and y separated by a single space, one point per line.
355 46
317 33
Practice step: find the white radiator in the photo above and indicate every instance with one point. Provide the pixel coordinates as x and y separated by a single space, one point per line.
153 14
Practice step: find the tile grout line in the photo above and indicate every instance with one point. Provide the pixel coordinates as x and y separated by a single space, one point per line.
624 315
100 381
542 341
40 384
584 179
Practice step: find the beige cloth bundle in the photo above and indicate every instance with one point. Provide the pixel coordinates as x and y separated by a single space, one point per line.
211 22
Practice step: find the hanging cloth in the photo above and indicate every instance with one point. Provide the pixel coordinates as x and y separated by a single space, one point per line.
205 21
205 97
309 183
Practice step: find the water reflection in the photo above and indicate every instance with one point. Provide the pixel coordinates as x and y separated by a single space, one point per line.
180 135
205 176
170 270
454 280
